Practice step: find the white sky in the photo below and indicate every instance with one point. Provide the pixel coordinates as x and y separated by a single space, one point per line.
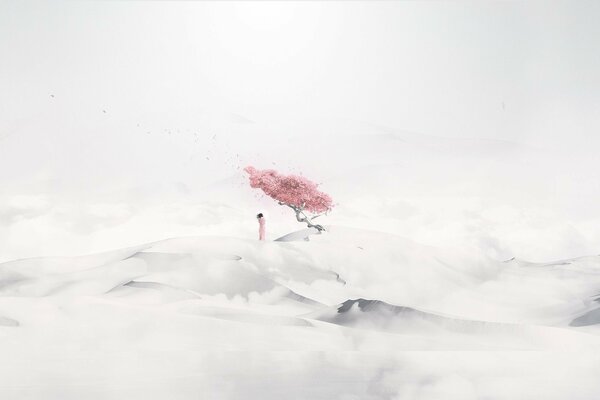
442 68
101 96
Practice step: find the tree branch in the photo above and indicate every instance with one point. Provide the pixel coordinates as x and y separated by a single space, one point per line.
302 217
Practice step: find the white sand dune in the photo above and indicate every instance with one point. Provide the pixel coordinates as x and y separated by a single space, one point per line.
377 315
150 320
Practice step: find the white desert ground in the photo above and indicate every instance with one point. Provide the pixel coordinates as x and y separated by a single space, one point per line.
450 269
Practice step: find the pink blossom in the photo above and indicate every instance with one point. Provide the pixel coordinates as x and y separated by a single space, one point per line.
290 190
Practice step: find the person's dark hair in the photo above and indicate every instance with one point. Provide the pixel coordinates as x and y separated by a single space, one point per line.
259 215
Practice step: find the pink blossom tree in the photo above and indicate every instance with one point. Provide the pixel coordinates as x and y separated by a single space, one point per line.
296 192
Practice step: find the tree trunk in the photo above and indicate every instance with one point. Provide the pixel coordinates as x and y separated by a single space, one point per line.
301 217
